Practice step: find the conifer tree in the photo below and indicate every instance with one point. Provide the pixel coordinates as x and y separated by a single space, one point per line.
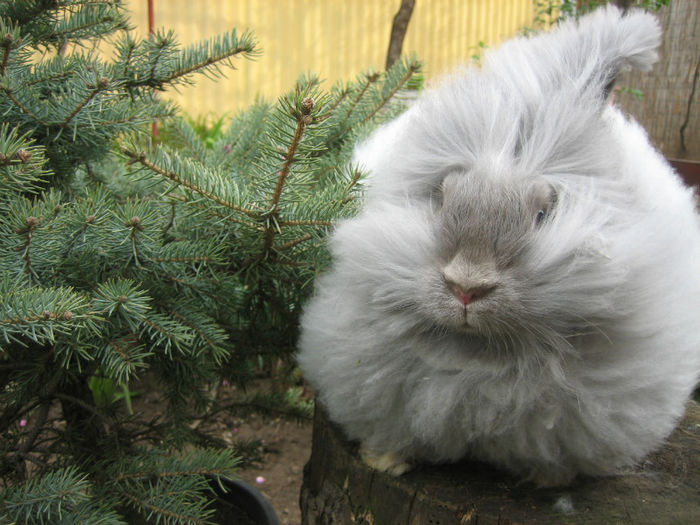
122 255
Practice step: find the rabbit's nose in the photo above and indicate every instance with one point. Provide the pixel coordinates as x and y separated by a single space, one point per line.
469 295
469 281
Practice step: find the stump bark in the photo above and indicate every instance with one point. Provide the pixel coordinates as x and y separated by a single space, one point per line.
340 489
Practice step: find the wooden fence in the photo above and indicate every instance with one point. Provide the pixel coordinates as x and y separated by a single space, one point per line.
669 108
337 39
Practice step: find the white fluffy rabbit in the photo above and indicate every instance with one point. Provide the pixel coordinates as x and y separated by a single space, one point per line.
523 283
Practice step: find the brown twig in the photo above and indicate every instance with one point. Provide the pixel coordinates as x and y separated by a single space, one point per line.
303 120
293 243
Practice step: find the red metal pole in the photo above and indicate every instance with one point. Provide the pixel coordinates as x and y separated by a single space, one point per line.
151 30
150 17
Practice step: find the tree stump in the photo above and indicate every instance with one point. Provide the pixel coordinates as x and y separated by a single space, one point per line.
340 489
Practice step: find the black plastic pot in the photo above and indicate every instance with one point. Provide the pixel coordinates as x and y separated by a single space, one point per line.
239 503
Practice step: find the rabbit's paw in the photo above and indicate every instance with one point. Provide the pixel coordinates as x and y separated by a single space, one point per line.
389 462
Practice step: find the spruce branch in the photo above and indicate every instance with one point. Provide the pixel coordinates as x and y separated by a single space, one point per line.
125 52
147 506
22 107
184 259
218 50
166 333
91 19
6 46
101 85
412 67
214 213
27 232
207 338
89 220
50 78
160 43
21 162
169 65
354 179
62 495
304 118
148 474
10 39
171 175
291 244
342 93
370 79
40 313
303 222
45 316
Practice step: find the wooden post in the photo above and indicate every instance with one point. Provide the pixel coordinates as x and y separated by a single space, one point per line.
398 31
339 489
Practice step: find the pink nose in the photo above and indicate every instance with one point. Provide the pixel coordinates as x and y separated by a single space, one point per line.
468 296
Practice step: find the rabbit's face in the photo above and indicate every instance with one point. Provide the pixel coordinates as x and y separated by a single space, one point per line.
484 228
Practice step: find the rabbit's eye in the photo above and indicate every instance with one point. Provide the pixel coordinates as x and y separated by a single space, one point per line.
544 201
541 214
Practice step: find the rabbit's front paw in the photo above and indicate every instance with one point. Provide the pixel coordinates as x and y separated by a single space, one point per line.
389 462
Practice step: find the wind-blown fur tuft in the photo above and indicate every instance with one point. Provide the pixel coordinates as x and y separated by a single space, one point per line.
522 285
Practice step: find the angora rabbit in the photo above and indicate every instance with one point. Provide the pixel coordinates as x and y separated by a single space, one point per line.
523 284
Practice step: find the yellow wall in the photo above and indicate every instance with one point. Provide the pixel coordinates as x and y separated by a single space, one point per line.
337 39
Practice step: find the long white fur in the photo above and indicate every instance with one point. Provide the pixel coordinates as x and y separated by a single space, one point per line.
591 347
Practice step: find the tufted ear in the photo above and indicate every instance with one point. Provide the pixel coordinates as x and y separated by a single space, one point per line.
581 57
607 42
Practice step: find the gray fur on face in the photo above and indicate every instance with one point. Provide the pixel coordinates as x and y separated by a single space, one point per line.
522 285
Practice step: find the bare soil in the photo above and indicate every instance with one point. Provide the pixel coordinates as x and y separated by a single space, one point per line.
286 449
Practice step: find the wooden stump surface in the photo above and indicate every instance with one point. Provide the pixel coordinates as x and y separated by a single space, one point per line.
340 489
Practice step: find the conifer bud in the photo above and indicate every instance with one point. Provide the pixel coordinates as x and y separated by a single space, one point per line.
90 219
8 40
122 299
30 225
67 316
135 222
23 155
307 105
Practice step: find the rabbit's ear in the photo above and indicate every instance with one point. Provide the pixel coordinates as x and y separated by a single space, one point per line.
607 42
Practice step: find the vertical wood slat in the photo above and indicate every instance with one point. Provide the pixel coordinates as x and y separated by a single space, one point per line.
338 39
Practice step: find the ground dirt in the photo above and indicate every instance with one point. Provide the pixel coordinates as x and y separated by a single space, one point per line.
286 449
